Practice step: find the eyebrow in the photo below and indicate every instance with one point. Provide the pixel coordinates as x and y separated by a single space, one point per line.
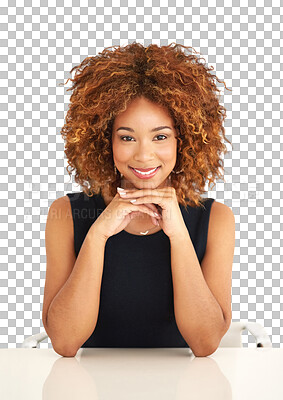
159 128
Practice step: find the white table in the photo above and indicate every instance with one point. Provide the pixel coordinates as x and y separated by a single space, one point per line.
229 373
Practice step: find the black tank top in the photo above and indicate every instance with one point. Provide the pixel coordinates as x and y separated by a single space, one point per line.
136 298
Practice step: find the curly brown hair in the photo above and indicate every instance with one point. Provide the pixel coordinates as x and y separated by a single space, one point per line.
104 85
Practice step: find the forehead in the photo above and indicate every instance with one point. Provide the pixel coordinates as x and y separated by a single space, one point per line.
144 111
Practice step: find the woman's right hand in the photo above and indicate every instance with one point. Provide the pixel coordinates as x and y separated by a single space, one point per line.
118 214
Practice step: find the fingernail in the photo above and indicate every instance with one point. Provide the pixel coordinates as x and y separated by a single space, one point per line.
120 189
132 201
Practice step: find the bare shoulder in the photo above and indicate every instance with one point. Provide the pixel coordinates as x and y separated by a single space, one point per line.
221 211
217 207
59 223
61 208
221 222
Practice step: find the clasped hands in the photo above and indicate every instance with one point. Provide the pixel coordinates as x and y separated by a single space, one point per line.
166 201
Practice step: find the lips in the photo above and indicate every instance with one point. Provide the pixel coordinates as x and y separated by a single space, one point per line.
144 169
144 175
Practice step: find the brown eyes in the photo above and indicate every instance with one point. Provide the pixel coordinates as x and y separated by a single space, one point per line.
122 137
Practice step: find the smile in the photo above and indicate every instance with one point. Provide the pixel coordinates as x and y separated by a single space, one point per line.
145 175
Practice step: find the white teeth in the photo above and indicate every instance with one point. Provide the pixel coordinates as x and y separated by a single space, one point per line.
146 173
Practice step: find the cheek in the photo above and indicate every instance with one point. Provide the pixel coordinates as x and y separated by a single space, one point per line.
121 153
167 153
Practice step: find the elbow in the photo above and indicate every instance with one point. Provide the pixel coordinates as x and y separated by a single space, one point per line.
204 352
64 351
206 349
202 349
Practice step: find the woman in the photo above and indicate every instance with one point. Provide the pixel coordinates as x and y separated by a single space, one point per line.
144 260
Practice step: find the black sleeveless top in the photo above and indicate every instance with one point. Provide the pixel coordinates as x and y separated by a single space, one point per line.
136 298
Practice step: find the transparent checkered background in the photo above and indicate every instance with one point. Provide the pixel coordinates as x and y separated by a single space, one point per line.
42 40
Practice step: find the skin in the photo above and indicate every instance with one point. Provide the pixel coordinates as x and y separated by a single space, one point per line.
143 148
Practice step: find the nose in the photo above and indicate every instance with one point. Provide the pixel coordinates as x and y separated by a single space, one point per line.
144 153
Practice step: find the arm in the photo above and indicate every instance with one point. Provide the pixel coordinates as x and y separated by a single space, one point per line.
73 313
202 299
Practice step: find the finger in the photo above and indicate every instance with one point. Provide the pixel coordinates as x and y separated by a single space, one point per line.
149 199
156 222
152 207
146 210
155 207
139 193
139 213
136 192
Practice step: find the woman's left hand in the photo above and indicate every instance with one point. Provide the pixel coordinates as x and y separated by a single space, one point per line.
171 220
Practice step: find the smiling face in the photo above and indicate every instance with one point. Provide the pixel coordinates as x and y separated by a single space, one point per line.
144 137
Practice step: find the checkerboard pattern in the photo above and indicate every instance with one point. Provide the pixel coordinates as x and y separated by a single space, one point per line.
42 40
